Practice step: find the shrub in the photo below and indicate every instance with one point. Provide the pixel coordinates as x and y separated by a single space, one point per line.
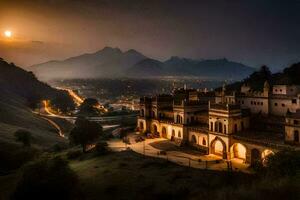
74 154
283 163
23 136
48 179
59 147
101 147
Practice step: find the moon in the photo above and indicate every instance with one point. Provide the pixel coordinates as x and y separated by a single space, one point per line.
8 34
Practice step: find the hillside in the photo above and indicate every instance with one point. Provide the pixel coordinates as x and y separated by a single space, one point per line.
20 90
289 76
112 62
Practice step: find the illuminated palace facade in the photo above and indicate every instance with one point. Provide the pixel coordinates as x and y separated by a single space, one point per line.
246 124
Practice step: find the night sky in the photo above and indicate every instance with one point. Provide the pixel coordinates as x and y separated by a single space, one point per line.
252 32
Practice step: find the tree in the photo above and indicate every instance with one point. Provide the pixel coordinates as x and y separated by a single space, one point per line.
89 107
48 179
283 163
23 136
85 132
63 102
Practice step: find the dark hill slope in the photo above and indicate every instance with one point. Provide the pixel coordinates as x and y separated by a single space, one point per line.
289 76
20 89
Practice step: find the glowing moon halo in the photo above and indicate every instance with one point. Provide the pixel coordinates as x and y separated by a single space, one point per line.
8 34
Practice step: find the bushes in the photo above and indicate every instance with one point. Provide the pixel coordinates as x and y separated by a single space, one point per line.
14 158
101 147
23 136
283 163
48 179
74 154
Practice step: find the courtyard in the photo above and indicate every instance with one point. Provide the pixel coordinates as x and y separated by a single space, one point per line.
163 148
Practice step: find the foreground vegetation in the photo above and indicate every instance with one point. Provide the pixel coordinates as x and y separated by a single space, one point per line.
128 175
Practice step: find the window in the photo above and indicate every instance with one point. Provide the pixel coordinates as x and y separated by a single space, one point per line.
216 127
179 134
251 102
283 105
235 128
224 128
220 127
204 142
242 102
142 113
242 125
211 126
296 122
294 100
275 90
296 136
276 104
262 103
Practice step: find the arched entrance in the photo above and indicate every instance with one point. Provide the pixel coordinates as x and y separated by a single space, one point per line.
218 147
255 156
239 151
154 129
164 132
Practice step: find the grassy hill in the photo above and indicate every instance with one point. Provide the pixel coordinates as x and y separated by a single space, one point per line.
128 175
19 92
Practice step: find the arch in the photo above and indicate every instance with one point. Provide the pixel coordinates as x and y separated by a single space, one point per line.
179 134
220 127
164 132
238 150
255 156
211 126
173 135
154 129
216 127
193 139
235 128
218 147
178 119
153 114
141 126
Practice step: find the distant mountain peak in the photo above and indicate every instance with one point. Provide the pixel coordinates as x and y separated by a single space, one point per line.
109 49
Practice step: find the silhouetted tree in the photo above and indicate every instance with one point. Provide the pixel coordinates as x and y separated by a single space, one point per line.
23 136
283 163
63 102
85 132
88 107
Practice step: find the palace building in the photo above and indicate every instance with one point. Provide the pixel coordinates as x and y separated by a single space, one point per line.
245 124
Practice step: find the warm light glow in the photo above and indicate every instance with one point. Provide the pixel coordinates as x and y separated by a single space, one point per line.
8 34
238 151
219 147
266 153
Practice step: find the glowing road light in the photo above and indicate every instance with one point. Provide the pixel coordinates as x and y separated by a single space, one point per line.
8 34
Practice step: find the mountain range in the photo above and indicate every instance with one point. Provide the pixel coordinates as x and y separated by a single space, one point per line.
112 62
